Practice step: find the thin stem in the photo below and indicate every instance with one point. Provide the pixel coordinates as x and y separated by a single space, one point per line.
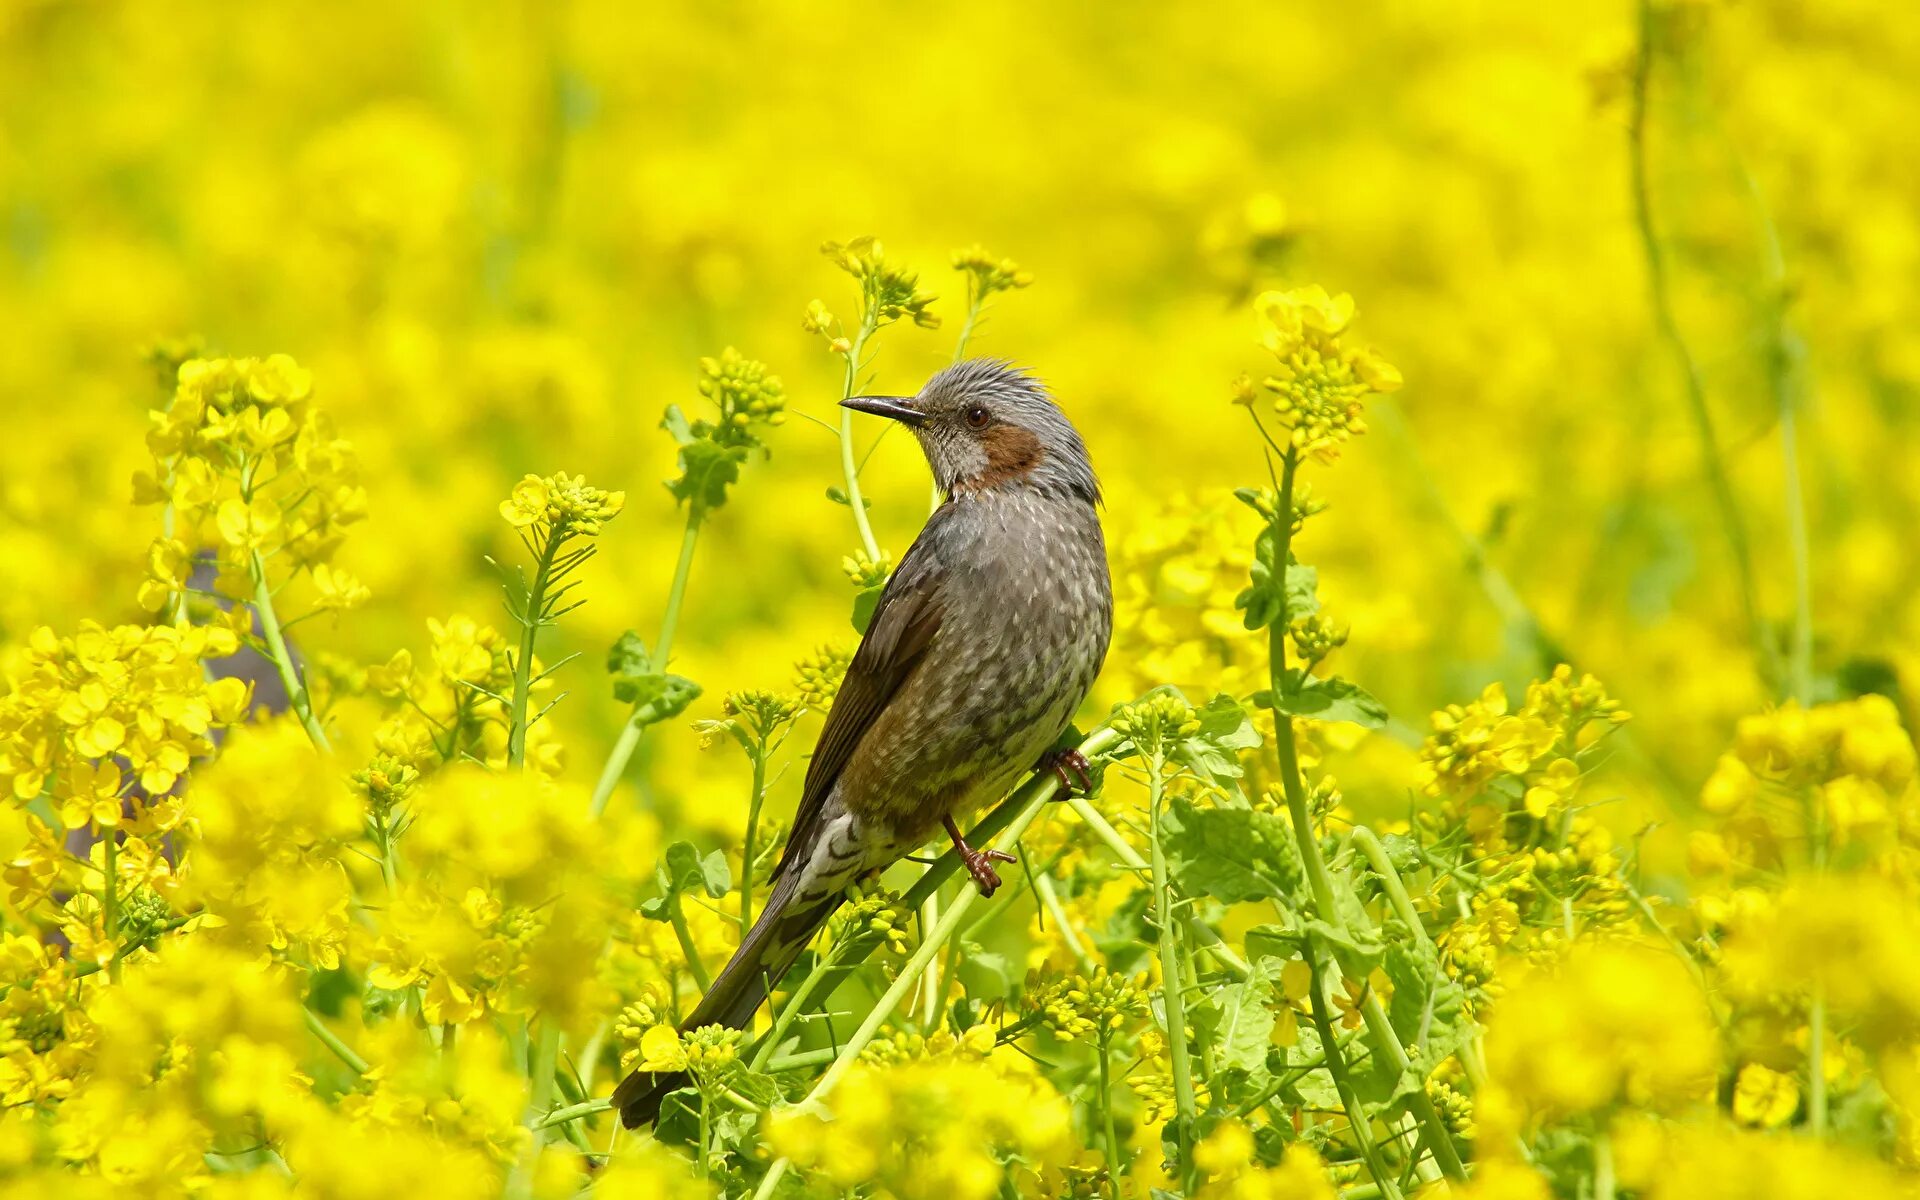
629 739
574 1112
1396 889
1175 1003
1106 1119
706 1137
296 689
1603 1186
1386 1041
530 620
906 980
677 915
796 1004
546 1060
804 1058
973 315
333 1042
931 993
1783 354
1669 329
677 593
1203 934
1342 1082
753 824
110 898
1043 887
847 465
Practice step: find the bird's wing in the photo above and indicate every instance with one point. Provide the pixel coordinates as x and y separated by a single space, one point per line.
904 622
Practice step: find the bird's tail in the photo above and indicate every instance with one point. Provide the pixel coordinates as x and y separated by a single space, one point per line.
779 935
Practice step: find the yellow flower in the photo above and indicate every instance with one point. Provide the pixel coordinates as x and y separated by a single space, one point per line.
1319 385
661 1050
1612 1022
1764 1098
528 503
90 794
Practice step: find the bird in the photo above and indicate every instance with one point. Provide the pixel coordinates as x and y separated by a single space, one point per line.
983 644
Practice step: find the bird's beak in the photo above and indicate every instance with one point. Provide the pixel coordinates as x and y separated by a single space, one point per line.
893 407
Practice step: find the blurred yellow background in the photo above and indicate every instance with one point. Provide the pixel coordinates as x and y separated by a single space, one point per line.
501 235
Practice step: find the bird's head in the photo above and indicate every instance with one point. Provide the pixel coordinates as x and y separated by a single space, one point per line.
987 425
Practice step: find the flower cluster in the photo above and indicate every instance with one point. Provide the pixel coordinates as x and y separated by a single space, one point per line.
560 504
82 705
1320 384
887 292
250 470
1098 1005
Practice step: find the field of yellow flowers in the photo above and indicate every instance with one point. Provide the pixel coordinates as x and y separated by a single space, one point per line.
1505 774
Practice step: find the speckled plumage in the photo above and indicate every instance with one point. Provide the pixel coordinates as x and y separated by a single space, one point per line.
984 643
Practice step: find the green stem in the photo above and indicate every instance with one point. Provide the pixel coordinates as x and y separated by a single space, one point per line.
1386 1041
929 917
110 898
574 1112
848 467
804 1058
1397 896
706 1137
1783 354
966 327
677 593
790 1012
546 1060
531 619
1337 1067
629 739
907 979
333 1042
678 917
1669 329
296 689
1043 887
1603 1186
1106 1119
1203 934
747 850
1171 996
389 868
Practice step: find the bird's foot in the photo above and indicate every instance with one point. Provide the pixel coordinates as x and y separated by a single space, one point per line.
1070 767
980 866
979 862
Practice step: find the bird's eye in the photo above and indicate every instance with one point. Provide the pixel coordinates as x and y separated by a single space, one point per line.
977 417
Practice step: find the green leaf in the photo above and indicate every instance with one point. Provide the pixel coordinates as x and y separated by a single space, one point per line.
864 605
987 975
1357 953
1316 1088
675 423
629 657
680 869
1214 752
1428 1008
707 470
1245 1030
1332 699
656 698
1231 854
1269 586
715 874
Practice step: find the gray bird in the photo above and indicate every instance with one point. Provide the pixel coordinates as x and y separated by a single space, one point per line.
982 646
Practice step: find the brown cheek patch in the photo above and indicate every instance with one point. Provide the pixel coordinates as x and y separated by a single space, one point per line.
1011 453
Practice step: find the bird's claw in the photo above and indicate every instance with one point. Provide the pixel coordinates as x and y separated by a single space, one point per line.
1069 766
980 866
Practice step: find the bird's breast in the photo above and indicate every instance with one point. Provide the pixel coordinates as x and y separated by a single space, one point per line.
1027 617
